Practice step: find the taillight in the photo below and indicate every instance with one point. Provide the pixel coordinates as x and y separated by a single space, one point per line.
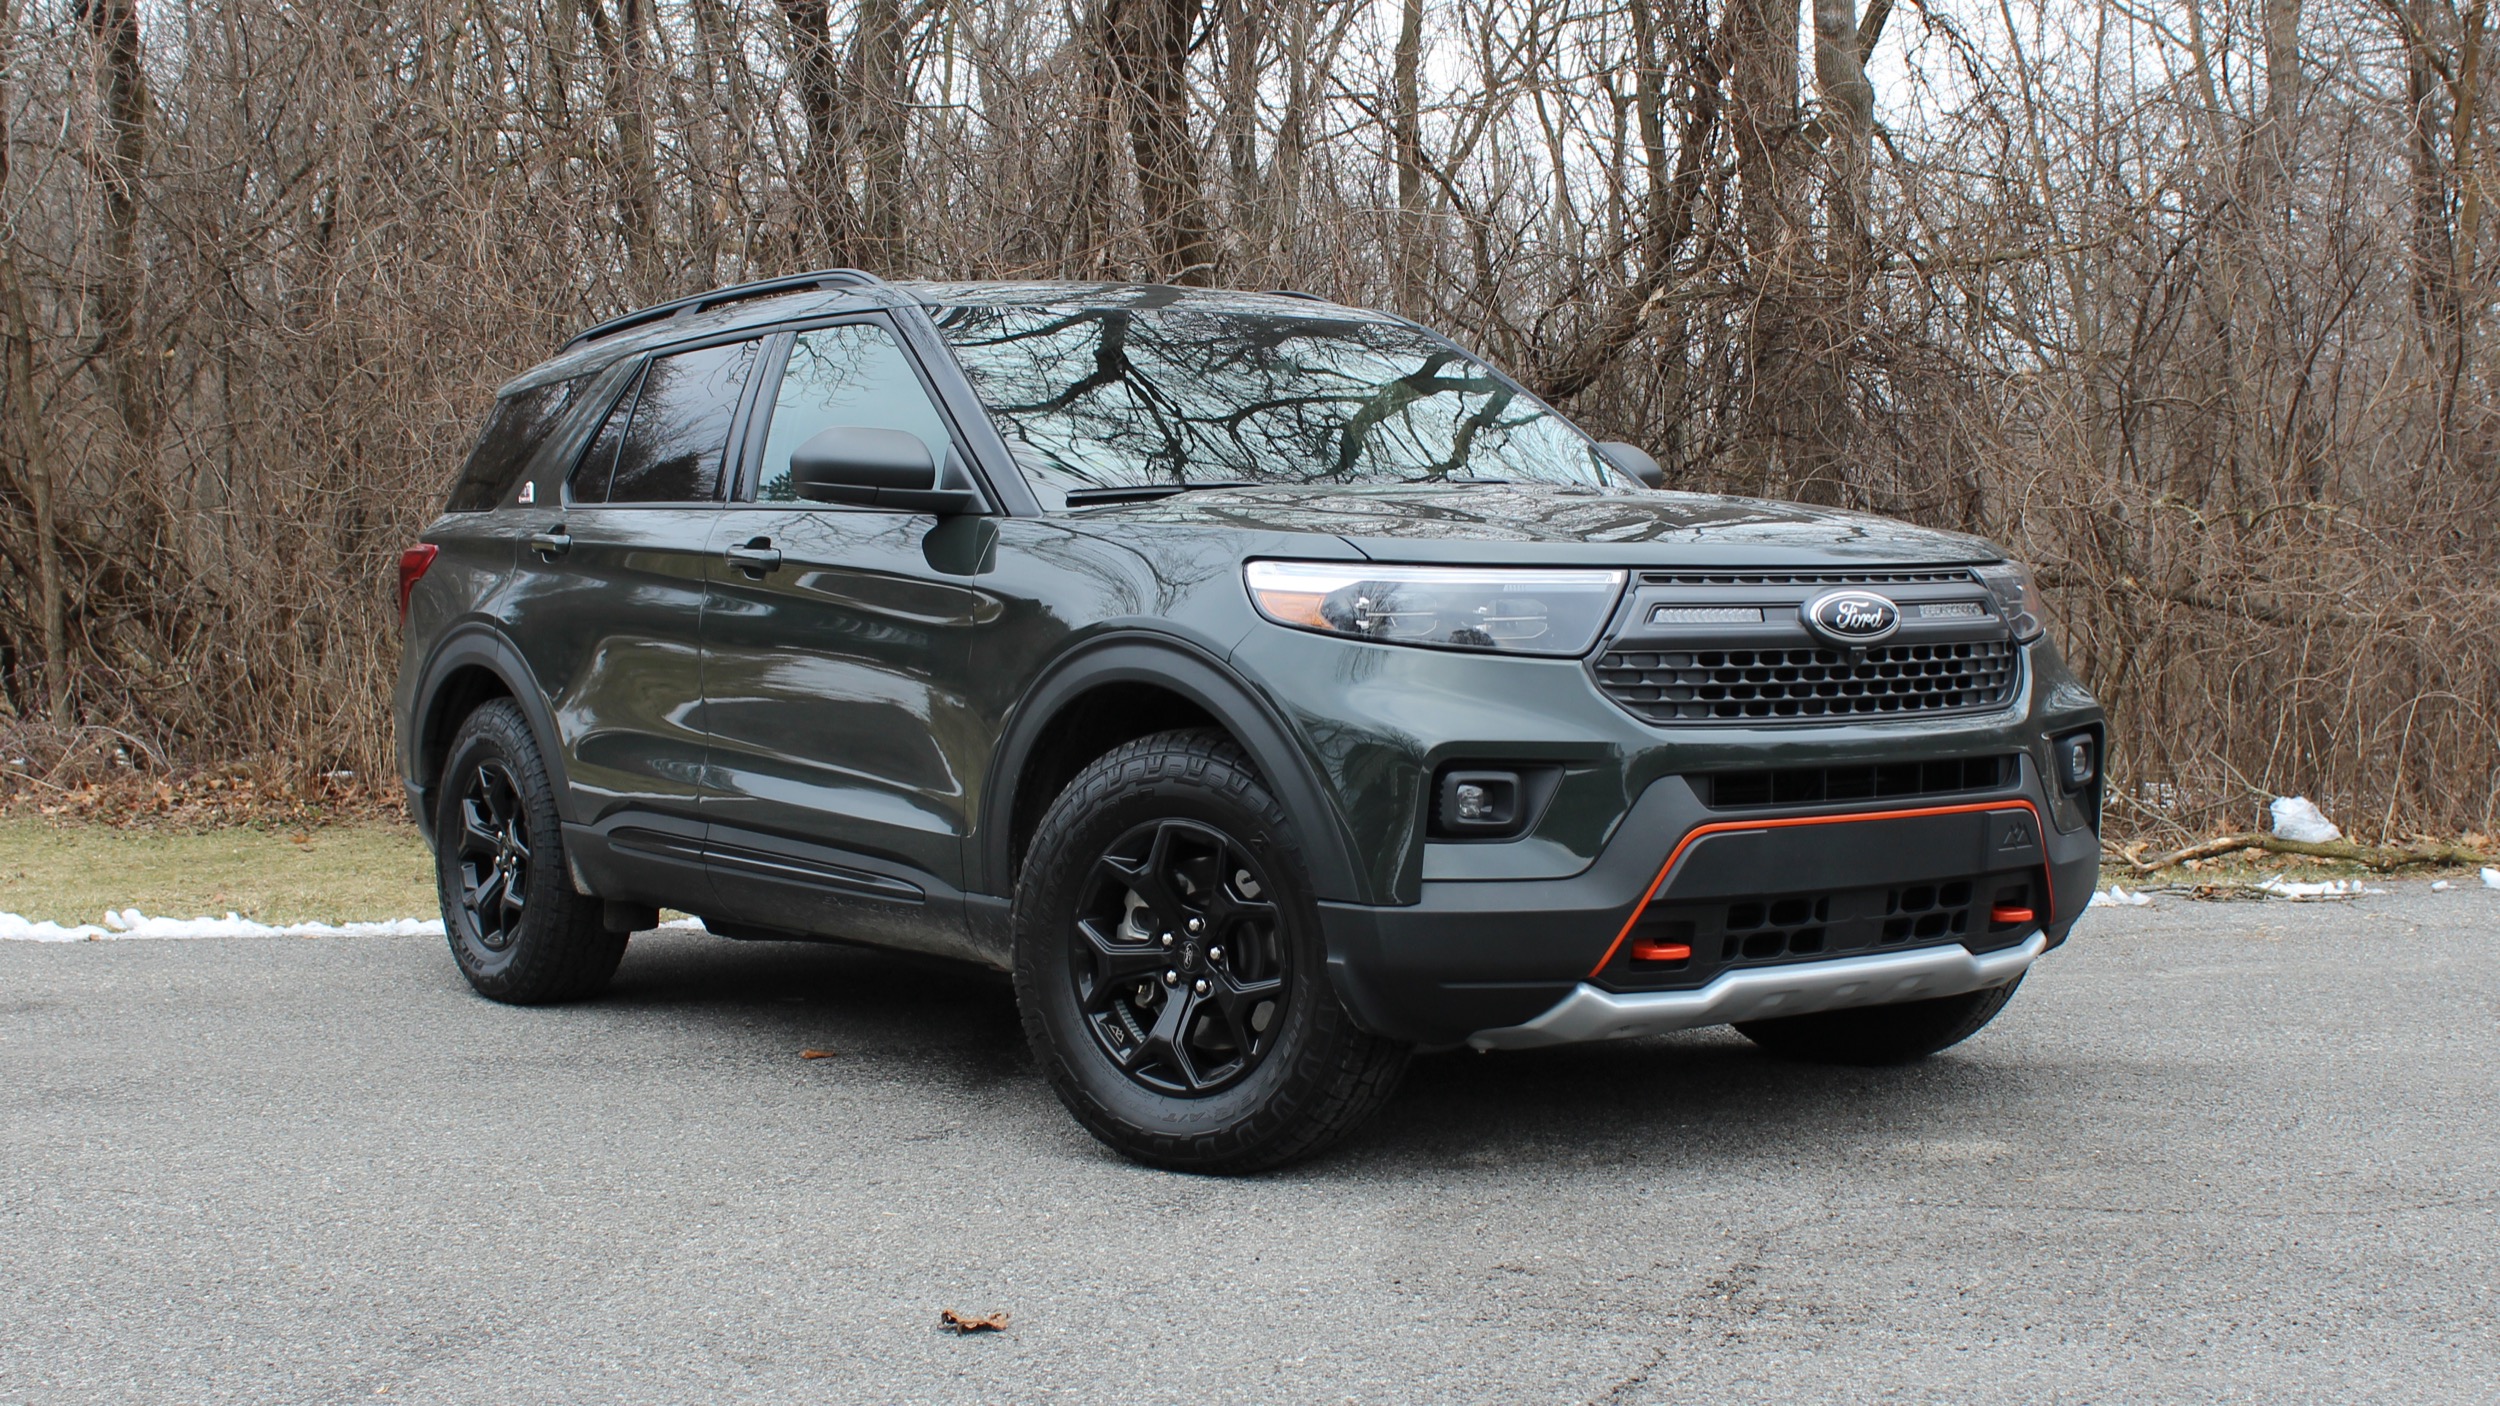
412 565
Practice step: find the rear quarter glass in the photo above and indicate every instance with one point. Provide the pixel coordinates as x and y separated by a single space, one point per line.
519 423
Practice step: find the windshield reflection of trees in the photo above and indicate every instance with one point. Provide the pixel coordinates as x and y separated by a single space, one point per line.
1120 396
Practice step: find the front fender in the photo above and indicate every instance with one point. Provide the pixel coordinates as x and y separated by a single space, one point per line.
1205 680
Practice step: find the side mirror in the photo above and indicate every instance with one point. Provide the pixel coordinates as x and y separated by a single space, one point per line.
878 468
1633 460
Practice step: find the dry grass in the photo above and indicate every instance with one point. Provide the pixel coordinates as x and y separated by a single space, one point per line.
72 872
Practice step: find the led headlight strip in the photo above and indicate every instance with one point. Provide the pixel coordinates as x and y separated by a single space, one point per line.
1512 611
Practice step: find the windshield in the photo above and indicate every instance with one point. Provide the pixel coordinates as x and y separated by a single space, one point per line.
1135 397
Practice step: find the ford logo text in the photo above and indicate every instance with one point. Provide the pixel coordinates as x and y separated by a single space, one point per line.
1852 617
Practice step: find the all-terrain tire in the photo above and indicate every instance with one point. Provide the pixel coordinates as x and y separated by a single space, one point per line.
1300 1082
496 834
1873 1035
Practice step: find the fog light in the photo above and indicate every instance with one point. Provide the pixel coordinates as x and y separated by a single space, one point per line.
2078 761
1479 802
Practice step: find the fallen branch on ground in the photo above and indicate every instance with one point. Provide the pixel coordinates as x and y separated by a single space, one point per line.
2378 857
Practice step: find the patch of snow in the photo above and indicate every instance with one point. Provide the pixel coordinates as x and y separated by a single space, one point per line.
2441 886
130 923
2298 818
2116 897
2280 887
2491 878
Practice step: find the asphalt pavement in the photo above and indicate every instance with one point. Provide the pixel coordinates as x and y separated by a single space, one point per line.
2212 1152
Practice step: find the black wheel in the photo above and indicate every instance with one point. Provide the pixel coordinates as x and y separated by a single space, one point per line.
1170 971
1894 1034
518 930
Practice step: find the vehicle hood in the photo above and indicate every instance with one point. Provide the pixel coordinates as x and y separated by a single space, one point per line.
1536 525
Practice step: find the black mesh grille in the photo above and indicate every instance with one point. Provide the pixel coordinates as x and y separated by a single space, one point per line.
1883 781
1738 685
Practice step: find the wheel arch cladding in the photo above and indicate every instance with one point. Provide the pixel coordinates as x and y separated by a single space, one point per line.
1118 691
468 670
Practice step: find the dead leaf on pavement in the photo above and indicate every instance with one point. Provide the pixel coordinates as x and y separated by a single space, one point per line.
816 1054
964 1323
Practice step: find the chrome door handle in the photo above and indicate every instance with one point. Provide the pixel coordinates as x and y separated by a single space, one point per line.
552 543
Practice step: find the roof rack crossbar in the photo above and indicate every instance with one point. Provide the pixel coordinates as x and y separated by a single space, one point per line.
737 292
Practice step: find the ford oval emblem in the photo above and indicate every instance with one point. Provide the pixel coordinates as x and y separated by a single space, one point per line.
1851 617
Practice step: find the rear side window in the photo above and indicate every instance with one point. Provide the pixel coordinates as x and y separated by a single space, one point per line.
668 439
515 428
589 483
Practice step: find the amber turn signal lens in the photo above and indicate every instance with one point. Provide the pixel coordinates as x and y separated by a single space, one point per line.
1662 951
2005 915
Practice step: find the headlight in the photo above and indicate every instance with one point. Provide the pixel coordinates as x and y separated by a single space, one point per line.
1516 612
2018 601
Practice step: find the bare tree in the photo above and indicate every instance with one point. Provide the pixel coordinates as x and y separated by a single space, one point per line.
2115 285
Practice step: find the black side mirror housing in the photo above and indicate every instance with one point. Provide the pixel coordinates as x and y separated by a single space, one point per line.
1633 460
879 468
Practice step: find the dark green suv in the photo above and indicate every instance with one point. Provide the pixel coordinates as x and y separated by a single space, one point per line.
1271 686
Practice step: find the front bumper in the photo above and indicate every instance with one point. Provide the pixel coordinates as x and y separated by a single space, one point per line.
1779 911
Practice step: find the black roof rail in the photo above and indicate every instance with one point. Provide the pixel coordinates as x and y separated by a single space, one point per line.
735 293
1295 293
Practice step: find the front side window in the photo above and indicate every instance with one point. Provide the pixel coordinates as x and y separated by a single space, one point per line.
1137 396
669 433
857 375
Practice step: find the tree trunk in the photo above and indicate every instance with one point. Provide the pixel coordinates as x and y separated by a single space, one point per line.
122 82
1245 30
884 83
818 75
1406 131
1793 435
2438 294
621 40
1149 43
1848 127
51 596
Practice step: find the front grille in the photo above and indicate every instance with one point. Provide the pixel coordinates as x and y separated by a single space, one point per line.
1760 932
1737 685
1824 785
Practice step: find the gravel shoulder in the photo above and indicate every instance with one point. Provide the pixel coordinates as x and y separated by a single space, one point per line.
2212 1152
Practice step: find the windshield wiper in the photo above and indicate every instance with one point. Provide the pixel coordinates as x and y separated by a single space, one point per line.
1146 492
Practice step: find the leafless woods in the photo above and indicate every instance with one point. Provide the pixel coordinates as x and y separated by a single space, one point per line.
2187 301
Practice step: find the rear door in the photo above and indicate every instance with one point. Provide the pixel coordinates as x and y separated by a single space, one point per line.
834 652
609 613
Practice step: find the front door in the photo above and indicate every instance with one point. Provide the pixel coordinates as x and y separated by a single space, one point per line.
835 643
609 610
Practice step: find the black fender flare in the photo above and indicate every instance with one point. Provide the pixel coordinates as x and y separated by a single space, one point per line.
475 644
1205 680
